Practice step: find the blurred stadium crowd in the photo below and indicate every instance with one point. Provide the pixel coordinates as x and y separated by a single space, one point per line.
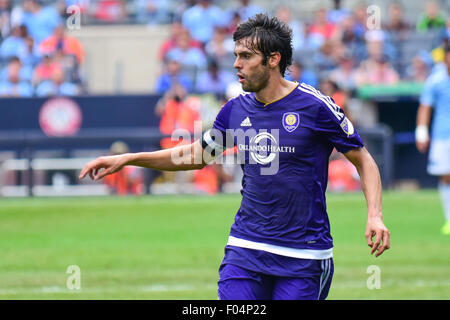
338 49
335 50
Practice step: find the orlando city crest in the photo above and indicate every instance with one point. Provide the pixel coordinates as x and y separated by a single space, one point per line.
290 121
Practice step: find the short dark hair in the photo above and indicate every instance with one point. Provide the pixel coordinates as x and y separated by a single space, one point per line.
268 35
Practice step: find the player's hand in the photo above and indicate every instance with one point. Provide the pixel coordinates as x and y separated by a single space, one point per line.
422 146
376 228
109 164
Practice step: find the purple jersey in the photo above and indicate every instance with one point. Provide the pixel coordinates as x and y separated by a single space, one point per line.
285 152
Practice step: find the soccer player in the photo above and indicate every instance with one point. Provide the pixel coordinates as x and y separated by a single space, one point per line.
436 95
280 245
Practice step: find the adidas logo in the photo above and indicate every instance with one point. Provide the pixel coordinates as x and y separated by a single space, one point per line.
246 123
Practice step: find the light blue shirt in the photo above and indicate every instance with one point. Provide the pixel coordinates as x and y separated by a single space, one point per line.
25 74
22 89
436 94
201 22
41 25
207 84
191 57
50 88
13 46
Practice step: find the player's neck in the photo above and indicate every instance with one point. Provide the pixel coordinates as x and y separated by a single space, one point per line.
277 88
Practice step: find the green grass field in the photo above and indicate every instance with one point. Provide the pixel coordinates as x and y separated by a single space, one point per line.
170 247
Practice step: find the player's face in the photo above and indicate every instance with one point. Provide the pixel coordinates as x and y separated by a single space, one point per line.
253 75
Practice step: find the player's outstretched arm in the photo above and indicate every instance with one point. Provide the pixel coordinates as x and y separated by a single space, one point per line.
371 185
423 123
186 157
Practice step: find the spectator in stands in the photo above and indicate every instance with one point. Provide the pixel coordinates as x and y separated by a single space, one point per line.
32 56
171 77
111 11
354 30
40 21
338 13
245 10
214 80
69 65
376 71
5 19
321 29
176 31
398 31
221 49
14 86
14 45
128 182
348 32
153 11
57 85
46 69
235 20
298 73
325 59
360 18
17 14
14 64
419 68
60 40
191 59
342 175
284 13
344 74
432 18
396 22
58 75
175 113
202 18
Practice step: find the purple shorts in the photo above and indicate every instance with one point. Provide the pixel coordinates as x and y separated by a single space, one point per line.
236 283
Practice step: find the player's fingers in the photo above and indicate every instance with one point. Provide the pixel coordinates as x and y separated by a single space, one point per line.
84 172
88 169
102 174
386 243
369 236
377 242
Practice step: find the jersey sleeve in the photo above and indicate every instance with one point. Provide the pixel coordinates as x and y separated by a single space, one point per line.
216 139
223 117
335 127
427 97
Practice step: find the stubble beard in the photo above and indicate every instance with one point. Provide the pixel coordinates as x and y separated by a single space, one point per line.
257 82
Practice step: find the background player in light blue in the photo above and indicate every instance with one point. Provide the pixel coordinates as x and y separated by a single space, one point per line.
436 96
280 246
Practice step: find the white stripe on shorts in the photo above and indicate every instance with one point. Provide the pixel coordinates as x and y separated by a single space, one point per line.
282 251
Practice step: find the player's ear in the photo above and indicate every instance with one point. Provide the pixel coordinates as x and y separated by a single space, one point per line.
274 59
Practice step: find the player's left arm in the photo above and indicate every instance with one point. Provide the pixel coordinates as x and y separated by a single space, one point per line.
371 185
